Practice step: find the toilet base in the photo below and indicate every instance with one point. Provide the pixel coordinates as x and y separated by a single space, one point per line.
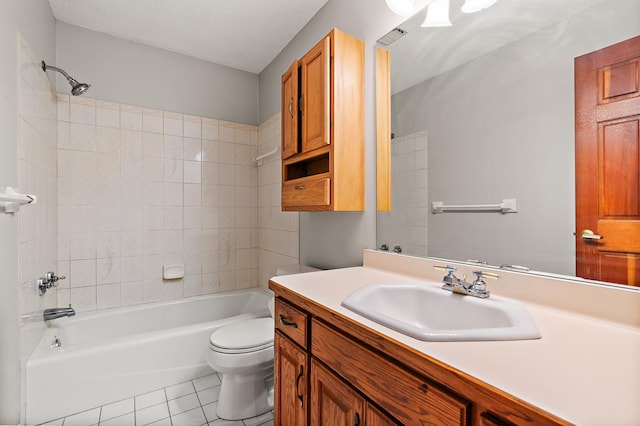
242 397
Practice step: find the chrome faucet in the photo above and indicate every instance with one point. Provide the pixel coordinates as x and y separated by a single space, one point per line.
54 313
477 288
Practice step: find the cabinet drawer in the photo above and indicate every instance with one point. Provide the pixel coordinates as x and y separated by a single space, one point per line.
291 321
307 193
407 397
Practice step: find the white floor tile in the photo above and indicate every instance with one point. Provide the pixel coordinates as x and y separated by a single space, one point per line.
206 382
126 420
163 422
152 398
193 417
179 390
210 411
54 423
117 409
151 414
85 418
184 403
208 396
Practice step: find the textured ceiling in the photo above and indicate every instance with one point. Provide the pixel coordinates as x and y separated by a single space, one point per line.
242 34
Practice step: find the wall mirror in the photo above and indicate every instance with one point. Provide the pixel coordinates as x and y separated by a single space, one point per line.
483 111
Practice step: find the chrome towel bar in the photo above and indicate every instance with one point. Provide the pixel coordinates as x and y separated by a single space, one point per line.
509 205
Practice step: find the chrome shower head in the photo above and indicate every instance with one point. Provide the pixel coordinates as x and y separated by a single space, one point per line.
76 88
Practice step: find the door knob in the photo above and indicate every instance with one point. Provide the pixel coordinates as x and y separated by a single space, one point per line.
588 234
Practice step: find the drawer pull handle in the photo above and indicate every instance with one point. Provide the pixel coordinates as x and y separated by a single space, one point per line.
287 323
298 394
356 420
300 187
291 107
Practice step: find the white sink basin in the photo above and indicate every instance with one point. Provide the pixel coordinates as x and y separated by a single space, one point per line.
424 311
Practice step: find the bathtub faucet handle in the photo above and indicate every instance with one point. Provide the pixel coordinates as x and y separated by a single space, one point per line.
49 280
52 278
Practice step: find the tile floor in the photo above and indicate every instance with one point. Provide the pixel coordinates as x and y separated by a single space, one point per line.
191 403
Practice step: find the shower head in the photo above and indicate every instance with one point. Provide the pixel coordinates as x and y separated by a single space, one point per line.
76 88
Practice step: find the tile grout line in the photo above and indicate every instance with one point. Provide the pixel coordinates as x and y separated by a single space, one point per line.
166 401
200 402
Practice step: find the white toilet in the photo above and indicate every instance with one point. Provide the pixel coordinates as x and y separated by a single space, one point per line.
243 353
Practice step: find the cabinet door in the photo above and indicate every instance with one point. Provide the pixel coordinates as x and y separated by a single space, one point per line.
375 417
290 111
334 402
291 373
315 100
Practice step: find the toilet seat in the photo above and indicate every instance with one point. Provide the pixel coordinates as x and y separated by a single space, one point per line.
243 337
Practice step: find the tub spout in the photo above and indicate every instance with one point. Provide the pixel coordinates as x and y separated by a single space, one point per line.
54 313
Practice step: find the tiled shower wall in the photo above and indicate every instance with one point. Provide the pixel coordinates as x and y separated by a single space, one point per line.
278 231
36 175
406 224
142 188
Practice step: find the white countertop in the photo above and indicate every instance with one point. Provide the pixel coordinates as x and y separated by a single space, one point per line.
584 369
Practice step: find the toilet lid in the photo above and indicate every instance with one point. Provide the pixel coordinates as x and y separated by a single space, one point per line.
243 336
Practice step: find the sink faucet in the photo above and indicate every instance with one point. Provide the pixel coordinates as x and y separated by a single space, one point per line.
54 313
477 288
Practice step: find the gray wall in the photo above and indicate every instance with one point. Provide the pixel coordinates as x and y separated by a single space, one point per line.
34 20
332 240
502 126
132 73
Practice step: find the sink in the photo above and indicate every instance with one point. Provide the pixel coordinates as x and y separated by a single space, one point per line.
424 311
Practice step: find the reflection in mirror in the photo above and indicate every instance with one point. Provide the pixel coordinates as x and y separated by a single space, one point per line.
484 111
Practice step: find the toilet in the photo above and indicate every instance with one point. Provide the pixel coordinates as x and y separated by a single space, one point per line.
243 353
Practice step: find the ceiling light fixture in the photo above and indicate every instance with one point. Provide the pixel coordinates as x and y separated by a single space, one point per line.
472 6
404 8
437 14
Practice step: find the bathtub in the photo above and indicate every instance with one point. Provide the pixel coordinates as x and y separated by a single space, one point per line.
111 355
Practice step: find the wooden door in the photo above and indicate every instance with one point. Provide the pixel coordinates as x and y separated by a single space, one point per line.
608 164
375 417
334 402
291 370
289 112
315 101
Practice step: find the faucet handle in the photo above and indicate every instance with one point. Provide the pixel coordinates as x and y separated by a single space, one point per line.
449 269
485 274
449 279
52 278
479 285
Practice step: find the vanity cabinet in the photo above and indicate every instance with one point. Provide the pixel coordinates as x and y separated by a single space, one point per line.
331 369
337 403
323 127
291 366
291 371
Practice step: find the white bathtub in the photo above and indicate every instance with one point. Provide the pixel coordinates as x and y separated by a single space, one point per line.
112 355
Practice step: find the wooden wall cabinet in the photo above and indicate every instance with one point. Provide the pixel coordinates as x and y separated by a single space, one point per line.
332 371
323 127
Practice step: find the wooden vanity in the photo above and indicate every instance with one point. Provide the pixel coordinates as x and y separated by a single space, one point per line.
331 370
332 367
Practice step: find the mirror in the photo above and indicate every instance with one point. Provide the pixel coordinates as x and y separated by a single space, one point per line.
483 111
